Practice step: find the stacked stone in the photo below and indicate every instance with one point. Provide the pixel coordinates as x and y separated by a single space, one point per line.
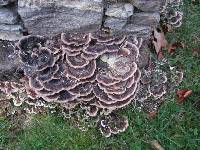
136 17
9 21
49 18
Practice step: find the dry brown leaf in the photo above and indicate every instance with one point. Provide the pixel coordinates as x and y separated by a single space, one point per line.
183 94
175 45
152 114
196 51
195 2
166 28
156 145
159 42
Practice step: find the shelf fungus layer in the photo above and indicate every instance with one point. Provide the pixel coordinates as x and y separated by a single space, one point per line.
83 67
113 124
96 73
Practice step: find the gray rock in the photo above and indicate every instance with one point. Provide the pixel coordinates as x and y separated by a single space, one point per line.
147 19
148 5
7 16
138 30
119 10
9 62
114 23
10 32
139 22
53 17
6 2
143 59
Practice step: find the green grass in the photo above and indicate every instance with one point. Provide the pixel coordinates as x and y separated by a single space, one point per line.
176 127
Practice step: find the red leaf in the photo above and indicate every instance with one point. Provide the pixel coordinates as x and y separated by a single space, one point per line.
183 94
174 46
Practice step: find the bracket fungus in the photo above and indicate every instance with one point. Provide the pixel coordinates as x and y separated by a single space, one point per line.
175 19
172 13
113 124
87 67
96 73
90 72
155 83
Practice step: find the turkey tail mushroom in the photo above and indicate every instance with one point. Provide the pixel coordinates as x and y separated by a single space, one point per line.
117 80
76 38
113 124
27 45
175 19
88 66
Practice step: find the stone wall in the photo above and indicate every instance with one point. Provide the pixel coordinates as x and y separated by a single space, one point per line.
10 28
51 17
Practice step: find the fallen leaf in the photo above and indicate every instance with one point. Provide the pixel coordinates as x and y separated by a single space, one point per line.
166 28
159 41
152 114
195 2
175 45
196 51
156 145
183 94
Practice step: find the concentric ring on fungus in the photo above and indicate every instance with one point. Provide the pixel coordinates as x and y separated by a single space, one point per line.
76 38
113 124
76 61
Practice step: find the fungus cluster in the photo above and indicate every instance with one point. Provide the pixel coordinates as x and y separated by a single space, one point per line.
89 75
19 93
175 18
94 69
7 87
172 13
113 124
176 2
155 83
14 91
